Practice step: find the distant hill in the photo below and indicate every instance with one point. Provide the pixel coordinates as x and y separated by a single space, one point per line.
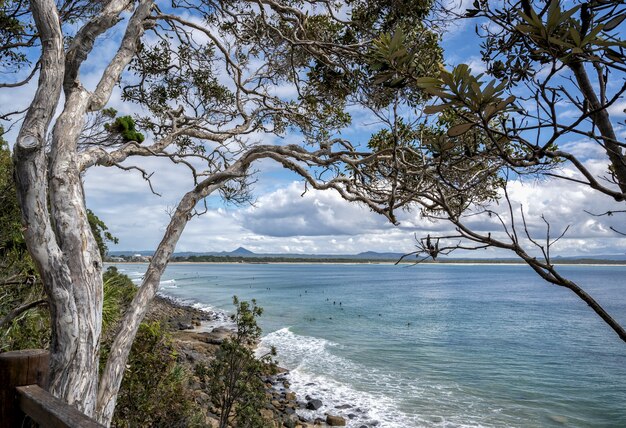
241 252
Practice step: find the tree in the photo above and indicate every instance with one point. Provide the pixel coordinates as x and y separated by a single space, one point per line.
233 378
23 319
172 62
456 167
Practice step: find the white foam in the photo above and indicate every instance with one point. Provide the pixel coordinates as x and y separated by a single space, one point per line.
170 283
316 371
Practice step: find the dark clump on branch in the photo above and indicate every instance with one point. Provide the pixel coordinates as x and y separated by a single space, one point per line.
126 128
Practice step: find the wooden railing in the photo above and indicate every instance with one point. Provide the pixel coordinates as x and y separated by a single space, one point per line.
23 375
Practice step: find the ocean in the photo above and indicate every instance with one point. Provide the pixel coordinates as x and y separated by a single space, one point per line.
431 345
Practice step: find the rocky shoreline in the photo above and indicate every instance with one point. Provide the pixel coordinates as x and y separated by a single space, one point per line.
196 345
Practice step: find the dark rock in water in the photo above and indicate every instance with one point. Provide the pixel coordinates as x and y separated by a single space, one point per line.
335 421
310 384
314 404
343 406
308 397
363 426
374 424
351 416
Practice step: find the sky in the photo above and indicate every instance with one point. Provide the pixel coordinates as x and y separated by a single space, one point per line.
281 219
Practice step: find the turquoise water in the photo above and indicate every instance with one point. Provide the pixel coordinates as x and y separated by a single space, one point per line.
432 345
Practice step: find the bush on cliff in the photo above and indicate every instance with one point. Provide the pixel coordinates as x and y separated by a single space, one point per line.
233 379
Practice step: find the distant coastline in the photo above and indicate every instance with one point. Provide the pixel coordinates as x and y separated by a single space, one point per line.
243 255
295 260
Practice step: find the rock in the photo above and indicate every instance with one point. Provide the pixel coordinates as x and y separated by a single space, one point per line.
289 423
291 396
351 416
267 414
363 426
314 404
319 421
335 421
343 406
184 326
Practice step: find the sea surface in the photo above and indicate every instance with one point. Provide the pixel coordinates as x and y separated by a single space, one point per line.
431 345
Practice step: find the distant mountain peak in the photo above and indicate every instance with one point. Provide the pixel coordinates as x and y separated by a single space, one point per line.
242 250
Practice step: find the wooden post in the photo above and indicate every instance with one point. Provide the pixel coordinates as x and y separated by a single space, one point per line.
19 368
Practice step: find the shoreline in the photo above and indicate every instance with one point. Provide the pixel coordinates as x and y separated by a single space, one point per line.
197 338
387 263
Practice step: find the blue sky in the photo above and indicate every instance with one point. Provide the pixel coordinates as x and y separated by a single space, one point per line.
281 220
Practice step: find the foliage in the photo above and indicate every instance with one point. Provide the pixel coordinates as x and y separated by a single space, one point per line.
233 378
18 280
13 30
14 259
118 291
100 233
208 79
544 60
153 390
125 126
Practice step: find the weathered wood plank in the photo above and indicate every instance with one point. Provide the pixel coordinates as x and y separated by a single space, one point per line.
50 412
18 368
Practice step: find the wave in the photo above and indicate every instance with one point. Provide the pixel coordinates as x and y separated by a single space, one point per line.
317 372
170 283
365 395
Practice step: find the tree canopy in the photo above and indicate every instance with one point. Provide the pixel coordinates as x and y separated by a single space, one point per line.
204 79
509 122
207 79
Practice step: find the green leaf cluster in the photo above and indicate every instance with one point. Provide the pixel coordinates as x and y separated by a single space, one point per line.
542 33
126 128
118 292
233 379
560 36
398 64
13 31
100 233
153 392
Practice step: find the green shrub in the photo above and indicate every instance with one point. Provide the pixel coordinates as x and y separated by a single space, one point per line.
118 292
153 390
233 379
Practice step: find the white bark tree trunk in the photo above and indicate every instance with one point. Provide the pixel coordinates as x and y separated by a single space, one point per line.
72 375
57 231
